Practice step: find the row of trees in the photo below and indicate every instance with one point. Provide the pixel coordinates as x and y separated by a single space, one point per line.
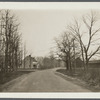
81 39
48 62
10 40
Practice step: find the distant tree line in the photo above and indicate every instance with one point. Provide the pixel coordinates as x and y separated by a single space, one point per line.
48 62
81 39
10 40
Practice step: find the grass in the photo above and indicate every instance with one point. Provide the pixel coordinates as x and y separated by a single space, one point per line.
6 77
91 77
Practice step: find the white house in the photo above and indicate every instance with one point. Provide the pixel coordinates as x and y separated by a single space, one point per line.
29 62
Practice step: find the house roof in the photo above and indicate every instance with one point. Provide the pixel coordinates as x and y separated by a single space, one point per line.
94 61
34 60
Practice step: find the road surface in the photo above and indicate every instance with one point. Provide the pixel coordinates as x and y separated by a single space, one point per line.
42 81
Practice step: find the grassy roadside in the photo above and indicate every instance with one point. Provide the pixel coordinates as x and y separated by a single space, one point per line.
89 80
6 77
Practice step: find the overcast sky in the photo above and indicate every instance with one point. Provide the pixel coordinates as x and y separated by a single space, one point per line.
40 26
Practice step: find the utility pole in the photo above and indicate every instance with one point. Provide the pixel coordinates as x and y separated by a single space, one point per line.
30 61
21 56
24 54
74 54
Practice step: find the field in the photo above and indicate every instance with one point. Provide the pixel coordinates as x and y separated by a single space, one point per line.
91 77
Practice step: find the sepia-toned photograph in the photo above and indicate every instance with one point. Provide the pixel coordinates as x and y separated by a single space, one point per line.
50 47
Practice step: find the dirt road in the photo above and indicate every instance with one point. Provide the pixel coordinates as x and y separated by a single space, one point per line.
42 81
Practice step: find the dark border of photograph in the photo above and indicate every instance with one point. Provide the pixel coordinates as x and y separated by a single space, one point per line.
49 0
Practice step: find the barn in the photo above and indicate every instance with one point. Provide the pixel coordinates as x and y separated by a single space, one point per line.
94 64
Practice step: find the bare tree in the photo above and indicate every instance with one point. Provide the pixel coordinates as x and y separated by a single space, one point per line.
90 30
66 49
11 39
